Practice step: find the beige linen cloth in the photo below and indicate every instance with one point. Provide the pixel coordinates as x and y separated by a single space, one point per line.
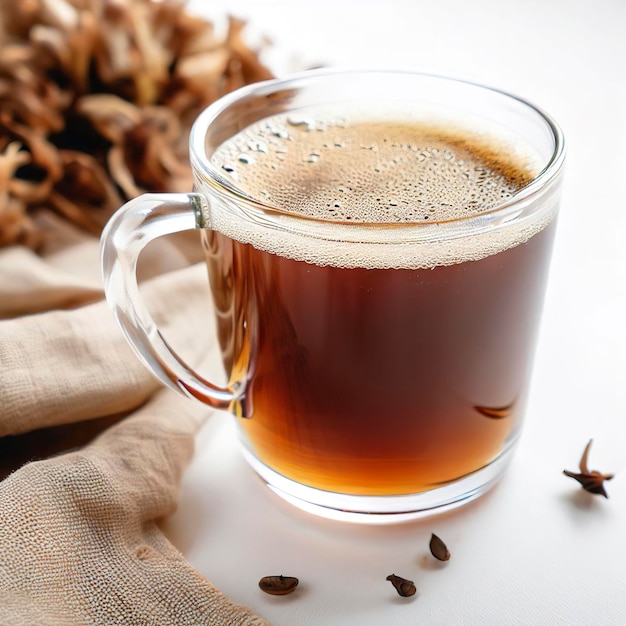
79 543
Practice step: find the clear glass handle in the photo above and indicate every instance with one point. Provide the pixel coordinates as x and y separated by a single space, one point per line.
126 234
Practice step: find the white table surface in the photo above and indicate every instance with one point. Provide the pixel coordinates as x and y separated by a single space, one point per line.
536 549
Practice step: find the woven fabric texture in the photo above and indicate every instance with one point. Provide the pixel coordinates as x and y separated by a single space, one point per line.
79 542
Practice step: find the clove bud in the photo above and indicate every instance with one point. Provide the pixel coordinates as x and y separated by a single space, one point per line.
591 481
439 549
404 587
278 585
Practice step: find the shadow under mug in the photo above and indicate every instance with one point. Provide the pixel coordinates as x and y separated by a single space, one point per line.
377 371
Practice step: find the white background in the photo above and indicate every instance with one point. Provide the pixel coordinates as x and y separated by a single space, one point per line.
537 549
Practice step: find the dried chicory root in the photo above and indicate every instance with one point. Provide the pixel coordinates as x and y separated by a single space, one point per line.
96 101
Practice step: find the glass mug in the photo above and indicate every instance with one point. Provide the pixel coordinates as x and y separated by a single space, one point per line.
378 362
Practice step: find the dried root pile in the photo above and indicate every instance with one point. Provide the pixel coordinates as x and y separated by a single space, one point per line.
96 101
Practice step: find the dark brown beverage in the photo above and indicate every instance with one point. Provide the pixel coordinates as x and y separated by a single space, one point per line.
366 377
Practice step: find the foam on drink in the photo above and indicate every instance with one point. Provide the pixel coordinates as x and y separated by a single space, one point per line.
376 171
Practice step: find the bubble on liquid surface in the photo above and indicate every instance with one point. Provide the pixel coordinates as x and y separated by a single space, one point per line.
246 159
278 131
304 122
231 170
258 146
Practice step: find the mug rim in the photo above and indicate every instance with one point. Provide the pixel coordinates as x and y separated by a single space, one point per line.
211 174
